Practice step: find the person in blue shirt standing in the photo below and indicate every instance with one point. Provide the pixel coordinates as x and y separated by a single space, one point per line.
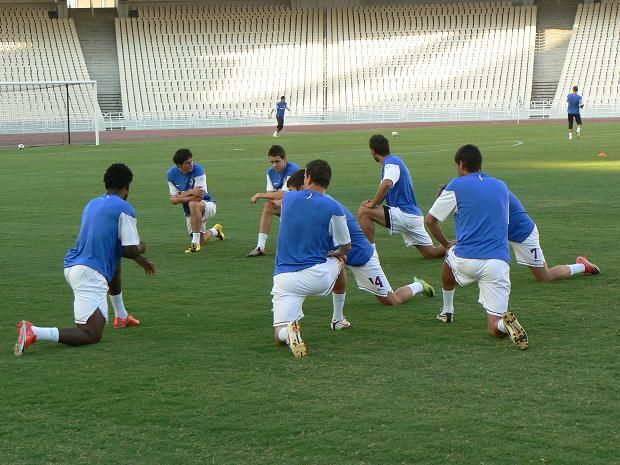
312 223
575 103
108 232
401 213
480 204
277 177
280 108
187 183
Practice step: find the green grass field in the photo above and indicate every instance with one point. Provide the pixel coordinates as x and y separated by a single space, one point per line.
202 380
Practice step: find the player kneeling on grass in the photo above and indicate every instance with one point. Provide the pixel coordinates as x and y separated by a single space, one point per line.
481 253
108 232
306 264
187 182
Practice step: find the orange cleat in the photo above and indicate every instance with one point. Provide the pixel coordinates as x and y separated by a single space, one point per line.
591 268
125 322
26 337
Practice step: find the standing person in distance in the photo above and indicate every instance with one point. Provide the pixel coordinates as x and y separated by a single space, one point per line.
107 233
480 205
280 108
575 103
187 183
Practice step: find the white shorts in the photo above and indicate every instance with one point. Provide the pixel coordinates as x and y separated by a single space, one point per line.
411 227
528 252
370 277
209 213
90 290
493 277
291 289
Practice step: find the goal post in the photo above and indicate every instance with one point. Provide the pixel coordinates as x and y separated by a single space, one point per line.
38 113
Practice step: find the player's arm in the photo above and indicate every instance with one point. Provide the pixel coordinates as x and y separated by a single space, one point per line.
274 195
176 196
271 112
340 232
443 207
382 191
133 247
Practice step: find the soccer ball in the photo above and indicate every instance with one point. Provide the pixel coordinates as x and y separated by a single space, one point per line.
20 146
394 133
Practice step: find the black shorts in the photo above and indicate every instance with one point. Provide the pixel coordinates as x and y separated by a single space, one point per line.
280 120
577 118
388 218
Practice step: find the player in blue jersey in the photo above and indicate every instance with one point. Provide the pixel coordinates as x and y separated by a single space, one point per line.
187 182
575 103
281 169
524 239
401 213
280 108
108 232
480 205
312 223
363 262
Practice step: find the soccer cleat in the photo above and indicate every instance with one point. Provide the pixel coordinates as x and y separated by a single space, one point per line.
256 252
193 248
26 337
294 340
515 330
220 232
125 322
445 317
591 268
337 325
429 291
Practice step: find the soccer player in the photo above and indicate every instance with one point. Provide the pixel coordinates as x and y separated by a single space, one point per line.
401 213
280 108
306 263
481 254
277 176
364 263
574 105
524 239
108 232
187 182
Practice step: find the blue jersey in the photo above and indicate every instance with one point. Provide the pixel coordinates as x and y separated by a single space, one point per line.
574 102
108 223
401 194
280 109
180 182
520 225
306 224
480 203
361 248
277 181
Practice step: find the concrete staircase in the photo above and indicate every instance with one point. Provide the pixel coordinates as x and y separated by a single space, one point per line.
98 41
554 26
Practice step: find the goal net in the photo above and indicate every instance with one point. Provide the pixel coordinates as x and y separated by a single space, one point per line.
49 113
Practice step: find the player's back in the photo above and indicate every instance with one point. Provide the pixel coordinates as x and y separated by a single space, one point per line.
361 248
520 225
402 194
304 238
481 217
98 245
574 101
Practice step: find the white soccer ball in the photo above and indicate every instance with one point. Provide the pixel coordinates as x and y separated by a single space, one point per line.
20 146
395 133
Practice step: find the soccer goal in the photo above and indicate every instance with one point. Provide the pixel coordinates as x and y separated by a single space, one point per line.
49 113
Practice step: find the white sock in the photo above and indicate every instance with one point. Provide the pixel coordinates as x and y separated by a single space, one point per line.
570 135
283 334
502 327
195 238
46 334
416 288
338 300
118 305
262 240
275 133
578 130
214 232
448 301
577 268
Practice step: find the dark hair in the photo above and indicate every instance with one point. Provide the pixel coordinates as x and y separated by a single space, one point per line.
470 156
117 176
296 180
283 98
277 151
181 156
320 172
575 89
380 145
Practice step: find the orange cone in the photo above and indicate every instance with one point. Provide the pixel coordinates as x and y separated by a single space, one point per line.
602 154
